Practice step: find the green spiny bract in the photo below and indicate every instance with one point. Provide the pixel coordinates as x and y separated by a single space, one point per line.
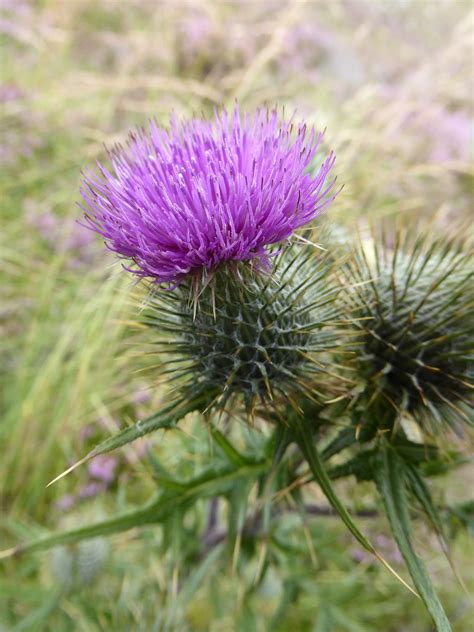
412 303
260 335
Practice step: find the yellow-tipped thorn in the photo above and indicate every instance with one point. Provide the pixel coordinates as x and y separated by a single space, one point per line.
9 552
395 574
70 469
310 243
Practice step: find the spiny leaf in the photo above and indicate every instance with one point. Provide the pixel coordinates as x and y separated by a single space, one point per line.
305 441
360 466
391 480
141 516
211 482
165 418
421 492
280 440
238 502
233 455
344 439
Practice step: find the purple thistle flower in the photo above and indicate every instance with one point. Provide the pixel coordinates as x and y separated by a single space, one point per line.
206 192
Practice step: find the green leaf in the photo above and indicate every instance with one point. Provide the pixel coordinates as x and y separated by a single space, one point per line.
414 452
344 622
451 460
304 440
189 588
462 515
159 470
36 620
233 455
211 482
344 439
324 621
279 442
421 492
168 483
237 513
360 466
391 480
164 419
219 480
288 597
195 580
141 516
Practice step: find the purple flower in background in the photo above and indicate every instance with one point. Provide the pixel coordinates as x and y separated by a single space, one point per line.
10 92
102 472
103 468
141 396
91 490
196 34
206 192
66 502
62 234
452 136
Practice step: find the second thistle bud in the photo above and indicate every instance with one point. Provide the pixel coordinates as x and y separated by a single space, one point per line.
413 304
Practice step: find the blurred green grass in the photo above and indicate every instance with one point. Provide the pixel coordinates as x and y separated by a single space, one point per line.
391 83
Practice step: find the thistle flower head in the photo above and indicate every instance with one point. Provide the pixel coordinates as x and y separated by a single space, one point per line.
413 303
263 337
205 192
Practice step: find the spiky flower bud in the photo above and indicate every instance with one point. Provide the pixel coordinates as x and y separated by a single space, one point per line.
251 333
78 565
200 208
413 303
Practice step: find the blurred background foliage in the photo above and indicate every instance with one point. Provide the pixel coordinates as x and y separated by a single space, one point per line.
392 82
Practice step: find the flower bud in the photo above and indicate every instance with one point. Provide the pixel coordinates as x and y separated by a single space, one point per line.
412 303
250 332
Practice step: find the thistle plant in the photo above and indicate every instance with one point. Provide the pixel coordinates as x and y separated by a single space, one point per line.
251 319
412 302
199 210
